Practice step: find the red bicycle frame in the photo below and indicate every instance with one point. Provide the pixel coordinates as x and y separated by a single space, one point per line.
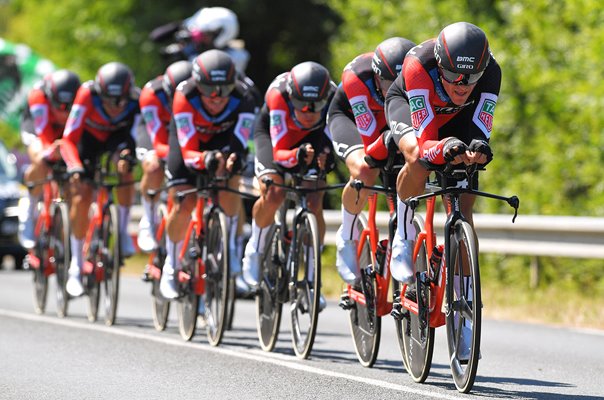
50 193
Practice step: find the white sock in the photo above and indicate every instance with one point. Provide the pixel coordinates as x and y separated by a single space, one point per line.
258 237
77 250
149 210
124 218
349 224
33 205
404 227
232 223
172 257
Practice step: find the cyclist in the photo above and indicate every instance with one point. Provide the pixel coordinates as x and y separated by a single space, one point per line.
213 118
44 119
209 28
290 132
152 141
103 119
441 109
360 133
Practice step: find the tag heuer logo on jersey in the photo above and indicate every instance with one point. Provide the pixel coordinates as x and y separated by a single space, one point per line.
276 125
39 115
486 114
362 116
419 113
150 120
246 127
182 125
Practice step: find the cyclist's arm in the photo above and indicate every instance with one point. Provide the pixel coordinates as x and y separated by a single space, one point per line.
155 117
74 128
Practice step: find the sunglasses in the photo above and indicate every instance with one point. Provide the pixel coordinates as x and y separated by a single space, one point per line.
116 102
216 90
57 105
455 78
308 106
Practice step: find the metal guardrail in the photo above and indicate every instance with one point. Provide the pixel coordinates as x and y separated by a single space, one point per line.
534 235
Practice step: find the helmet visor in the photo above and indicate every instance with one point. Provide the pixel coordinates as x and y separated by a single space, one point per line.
57 105
216 90
308 106
456 78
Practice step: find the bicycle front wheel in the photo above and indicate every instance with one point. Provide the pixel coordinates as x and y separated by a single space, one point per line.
415 336
110 255
305 285
217 275
365 324
91 283
464 306
160 305
62 254
272 281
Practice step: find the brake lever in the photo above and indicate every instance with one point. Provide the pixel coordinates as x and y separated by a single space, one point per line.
514 202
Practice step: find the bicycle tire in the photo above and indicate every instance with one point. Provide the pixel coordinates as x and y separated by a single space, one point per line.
40 277
111 258
60 244
92 286
272 278
216 258
305 290
460 307
230 308
366 326
160 305
187 304
415 336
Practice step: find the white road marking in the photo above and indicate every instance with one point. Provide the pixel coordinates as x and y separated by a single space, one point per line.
254 355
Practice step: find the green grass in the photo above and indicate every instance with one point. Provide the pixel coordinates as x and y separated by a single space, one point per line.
564 295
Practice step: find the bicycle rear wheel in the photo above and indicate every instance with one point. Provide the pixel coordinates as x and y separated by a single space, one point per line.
62 254
217 275
365 324
464 306
272 281
415 336
305 285
187 305
40 277
160 305
111 262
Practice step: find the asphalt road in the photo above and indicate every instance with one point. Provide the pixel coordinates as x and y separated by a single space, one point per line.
44 357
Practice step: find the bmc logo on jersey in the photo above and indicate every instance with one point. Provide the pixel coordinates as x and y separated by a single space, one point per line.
486 114
419 113
362 116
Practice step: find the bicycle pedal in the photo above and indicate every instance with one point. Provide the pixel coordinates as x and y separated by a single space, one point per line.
345 302
397 312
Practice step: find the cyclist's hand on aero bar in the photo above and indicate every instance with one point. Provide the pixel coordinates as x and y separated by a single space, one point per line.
455 151
306 153
124 164
480 152
233 163
322 159
215 162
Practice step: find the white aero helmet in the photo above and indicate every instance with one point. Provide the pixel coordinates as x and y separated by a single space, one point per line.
222 21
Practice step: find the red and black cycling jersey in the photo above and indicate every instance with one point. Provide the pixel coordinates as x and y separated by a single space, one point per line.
156 112
427 107
284 129
39 118
363 104
196 127
87 115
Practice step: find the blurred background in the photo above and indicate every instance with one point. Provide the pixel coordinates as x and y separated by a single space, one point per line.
548 129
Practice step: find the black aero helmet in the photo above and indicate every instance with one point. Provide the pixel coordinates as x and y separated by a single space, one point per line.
462 52
214 73
388 57
309 86
176 73
113 82
61 87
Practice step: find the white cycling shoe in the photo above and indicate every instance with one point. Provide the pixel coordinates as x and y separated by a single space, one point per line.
346 258
168 284
74 285
126 245
401 261
251 265
146 242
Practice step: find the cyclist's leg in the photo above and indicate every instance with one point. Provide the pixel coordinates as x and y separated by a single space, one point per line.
411 181
152 178
264 209
231 205
36 171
